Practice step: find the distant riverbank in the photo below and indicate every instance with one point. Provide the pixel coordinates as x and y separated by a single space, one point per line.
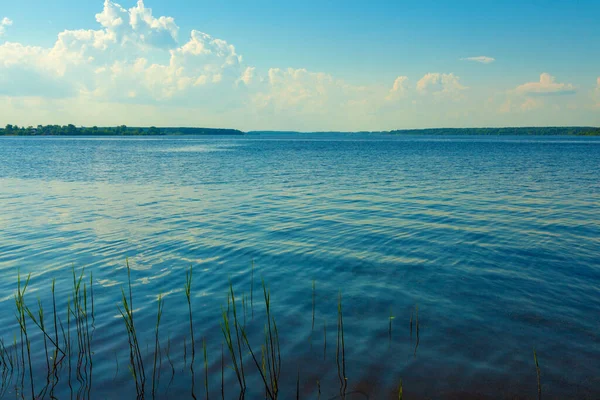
72 130
514 131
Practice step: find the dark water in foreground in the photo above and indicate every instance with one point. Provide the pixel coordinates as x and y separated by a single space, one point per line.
497 240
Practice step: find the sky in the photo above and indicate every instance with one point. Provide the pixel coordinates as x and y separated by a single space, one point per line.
307 66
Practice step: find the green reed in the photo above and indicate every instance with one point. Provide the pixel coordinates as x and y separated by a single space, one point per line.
261 357
7 368
205 366
312 329
538 373
298 385
324 340
226 329
252 290
136 363
168 354
340 354
318 389
25 343
188 296
270 364
400 389
159 312
222 371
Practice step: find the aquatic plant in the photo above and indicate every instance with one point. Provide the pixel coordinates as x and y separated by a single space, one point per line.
247 354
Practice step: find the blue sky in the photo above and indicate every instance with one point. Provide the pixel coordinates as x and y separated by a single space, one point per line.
300 65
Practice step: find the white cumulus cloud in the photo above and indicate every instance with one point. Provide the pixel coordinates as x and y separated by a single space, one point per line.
440 84
113 62
399 88
199 63
137 68
542 95
247 76
314 100
480 59
546 86
137 25
295 89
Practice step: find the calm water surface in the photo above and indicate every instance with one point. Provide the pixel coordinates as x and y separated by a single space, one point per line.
496 240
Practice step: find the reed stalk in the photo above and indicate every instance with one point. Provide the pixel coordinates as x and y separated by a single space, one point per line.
252 290
261 367
538 373
237 334
135 355
69 342
269 366
88 338
298 385
21 310
324 340
312 329
222 372
55 355
188 295
81 308
205 366
226 329
234 347
168 353
156 341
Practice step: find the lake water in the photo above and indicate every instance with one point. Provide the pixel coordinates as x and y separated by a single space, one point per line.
496 240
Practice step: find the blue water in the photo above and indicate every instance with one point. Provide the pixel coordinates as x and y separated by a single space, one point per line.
495 240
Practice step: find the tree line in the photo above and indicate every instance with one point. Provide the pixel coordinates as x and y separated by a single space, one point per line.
122 130
521 131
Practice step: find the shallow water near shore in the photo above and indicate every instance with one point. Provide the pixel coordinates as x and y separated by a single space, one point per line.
495 239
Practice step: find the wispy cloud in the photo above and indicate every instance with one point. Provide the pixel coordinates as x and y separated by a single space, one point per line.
4 23
480 59
544 94
547 86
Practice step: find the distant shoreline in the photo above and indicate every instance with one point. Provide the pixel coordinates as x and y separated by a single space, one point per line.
72 130
122 130
508 131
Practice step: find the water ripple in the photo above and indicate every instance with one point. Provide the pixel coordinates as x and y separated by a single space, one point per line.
495 239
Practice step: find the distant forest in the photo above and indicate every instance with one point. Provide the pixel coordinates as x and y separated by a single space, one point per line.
528 131
539 131
72 130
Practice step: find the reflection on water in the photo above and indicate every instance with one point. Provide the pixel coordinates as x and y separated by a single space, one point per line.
495 239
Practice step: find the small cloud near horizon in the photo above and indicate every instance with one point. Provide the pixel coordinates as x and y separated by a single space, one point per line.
547 86
480 59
